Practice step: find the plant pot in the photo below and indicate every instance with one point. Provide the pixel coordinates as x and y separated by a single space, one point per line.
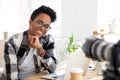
114 28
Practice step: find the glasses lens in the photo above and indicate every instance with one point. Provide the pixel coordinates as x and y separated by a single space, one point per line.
40 23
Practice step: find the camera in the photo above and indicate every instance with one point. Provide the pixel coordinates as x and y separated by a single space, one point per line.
100 50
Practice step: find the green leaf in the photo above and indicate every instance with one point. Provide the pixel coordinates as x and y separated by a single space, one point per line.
70 46
71 39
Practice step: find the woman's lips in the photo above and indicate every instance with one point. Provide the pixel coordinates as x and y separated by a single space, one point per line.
39 32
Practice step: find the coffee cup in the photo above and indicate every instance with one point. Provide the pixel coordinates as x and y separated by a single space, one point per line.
76 73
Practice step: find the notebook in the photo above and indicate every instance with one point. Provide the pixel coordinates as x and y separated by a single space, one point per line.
59 72
54 76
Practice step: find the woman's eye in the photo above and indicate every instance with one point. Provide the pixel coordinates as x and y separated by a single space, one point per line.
39 22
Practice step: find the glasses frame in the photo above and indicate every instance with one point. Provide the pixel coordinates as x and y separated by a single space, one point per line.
41 23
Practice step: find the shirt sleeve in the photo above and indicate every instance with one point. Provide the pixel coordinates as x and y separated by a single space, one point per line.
49 61
11 69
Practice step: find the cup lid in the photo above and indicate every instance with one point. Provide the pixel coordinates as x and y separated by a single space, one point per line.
76 70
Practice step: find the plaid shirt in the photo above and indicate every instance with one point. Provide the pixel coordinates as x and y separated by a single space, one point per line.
17 47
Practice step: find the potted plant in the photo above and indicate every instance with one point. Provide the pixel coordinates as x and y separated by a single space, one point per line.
69 47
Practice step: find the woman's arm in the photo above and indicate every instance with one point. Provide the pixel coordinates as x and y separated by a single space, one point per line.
48 61
11 65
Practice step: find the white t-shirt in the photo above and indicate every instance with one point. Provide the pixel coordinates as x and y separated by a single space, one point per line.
27 68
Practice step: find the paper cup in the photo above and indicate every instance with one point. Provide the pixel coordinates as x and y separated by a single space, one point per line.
76 73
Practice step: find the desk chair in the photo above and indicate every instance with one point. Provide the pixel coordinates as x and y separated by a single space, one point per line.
2 42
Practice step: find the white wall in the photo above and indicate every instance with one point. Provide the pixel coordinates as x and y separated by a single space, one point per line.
14 16
79 16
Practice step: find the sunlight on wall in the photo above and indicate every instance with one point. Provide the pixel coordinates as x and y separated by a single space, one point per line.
9 16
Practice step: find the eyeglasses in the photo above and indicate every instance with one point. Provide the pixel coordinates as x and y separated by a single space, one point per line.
41 23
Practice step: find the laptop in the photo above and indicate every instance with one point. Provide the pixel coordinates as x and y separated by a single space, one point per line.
59 72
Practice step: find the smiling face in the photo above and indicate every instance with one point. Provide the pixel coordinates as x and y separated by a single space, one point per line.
40 25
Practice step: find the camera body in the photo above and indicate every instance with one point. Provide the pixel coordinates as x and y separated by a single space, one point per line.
100 50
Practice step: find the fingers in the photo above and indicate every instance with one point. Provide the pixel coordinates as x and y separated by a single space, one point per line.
33 41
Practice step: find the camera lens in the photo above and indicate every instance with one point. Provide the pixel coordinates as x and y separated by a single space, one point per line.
97 49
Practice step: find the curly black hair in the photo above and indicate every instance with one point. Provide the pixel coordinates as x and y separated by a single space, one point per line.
44 9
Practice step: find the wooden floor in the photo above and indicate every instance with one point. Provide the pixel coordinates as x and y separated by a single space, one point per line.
91 75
